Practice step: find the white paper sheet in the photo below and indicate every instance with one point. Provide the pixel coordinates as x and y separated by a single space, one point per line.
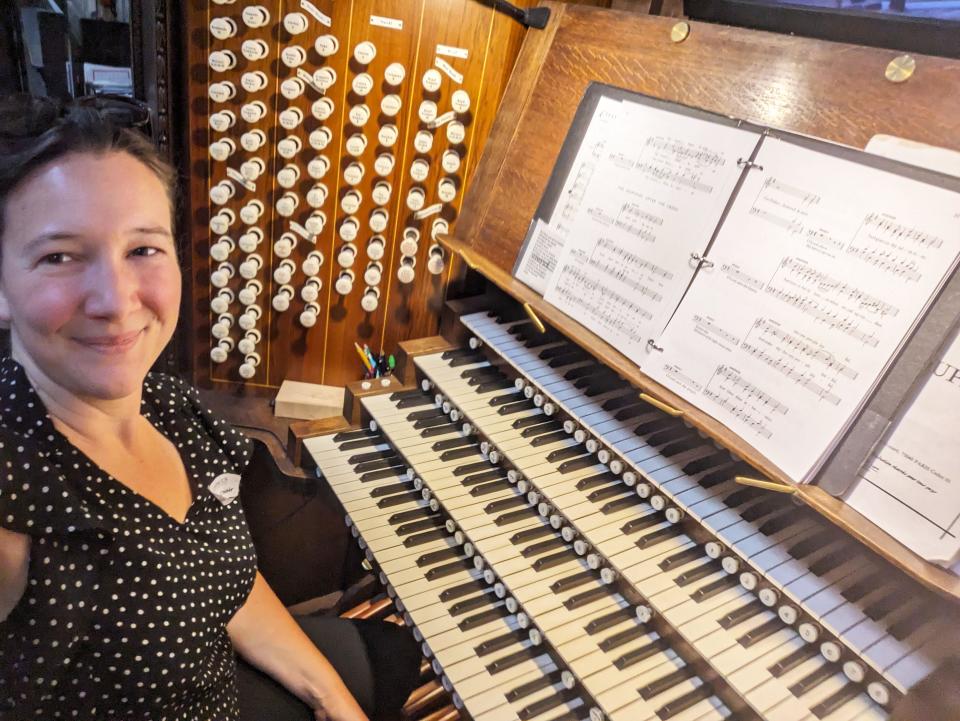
911 486
820 270
663 187
539 256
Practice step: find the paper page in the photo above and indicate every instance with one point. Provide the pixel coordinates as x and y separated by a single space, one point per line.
821 268
539 255
627 259
911 486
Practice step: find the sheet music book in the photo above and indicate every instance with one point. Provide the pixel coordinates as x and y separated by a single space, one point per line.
769 280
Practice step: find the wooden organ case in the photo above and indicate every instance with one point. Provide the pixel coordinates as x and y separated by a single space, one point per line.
548 577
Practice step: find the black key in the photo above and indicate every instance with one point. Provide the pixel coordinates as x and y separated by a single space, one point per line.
421 399
585 597
742 614
513 516
622 401
400 395
618 639
467 360
471 468
464 589
578 372
830 561
399 499
599 479
701 464
505 503
547 427
448 569
657 424
909 623
517 407
695 574
438 420
459 453
547 438
597 389
741 496
678 559
813 679
682 703
393 471
778 523
493 474
428 559
484 617
678 447
665 683
790 662
505 398
529 421
569 583
761 509
495 385
485 489
421 538
453 443
884 605
640 654
764 630
659 536
514 659
515 694
862 587
481 372
577 464
471 604
545 704
355 435
415 526
551 544
542 564
559 350
620 504
531 534
611 491
404 516
836 700
602 623
804 548
631 412
718 476
390 489
424 415
562 454
669 435
640 524
495 644
715 587
372 456
439 431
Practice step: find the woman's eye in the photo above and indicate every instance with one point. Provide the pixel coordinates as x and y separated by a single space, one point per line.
56 258
146 251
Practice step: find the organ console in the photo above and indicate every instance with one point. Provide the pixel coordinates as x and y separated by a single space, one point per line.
567 539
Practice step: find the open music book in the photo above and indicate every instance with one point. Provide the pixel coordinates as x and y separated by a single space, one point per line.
771 280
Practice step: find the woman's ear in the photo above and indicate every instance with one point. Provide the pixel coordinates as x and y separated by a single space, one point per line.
4 309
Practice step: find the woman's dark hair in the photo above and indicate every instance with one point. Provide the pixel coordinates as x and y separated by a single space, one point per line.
35 131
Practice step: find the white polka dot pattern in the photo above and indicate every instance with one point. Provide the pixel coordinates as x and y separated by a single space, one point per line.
125 611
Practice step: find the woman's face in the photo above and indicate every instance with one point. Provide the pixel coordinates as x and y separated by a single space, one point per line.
89 280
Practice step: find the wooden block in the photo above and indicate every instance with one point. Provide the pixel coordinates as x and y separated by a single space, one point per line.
308 401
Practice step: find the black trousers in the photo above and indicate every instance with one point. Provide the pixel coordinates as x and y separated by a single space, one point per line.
378 661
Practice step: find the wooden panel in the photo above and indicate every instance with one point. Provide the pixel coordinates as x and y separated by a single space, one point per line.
324 353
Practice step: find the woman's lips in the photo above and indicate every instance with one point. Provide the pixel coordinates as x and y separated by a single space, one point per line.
111 343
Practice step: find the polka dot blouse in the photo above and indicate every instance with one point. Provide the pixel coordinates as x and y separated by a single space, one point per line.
125 610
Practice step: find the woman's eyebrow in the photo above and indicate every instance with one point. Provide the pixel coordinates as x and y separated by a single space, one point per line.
152 230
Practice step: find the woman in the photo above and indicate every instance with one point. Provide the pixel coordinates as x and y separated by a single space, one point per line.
127 574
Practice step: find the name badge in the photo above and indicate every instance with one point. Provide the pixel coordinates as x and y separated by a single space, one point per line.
226 487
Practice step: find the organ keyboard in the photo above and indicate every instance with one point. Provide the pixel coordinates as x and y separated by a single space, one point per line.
566 550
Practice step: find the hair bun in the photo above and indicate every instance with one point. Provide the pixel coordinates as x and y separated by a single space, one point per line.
23 115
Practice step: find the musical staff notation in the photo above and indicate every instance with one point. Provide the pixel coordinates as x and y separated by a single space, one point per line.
739 411
886 261
686 152
901 232
664 174
734 273
705 326
634 262
805 273
634 220
831 319
805 197
750 390
792 226
792 342
783 365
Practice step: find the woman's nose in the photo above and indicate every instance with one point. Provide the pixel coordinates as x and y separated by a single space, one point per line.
112 289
